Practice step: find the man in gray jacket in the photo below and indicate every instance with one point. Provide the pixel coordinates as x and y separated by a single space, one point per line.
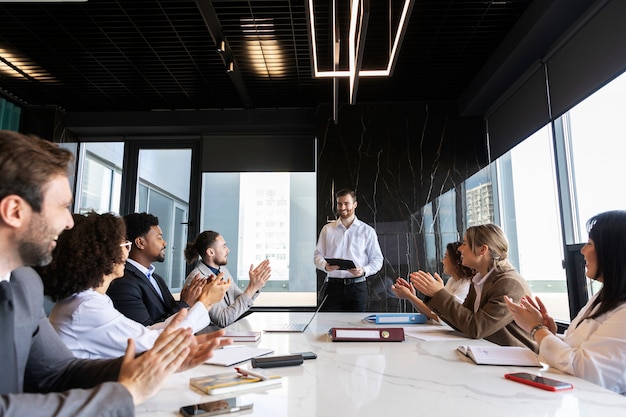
40 375
209 252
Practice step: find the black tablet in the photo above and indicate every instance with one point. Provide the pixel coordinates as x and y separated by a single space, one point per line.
343 263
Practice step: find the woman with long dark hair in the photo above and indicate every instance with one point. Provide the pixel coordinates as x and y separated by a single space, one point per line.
594 345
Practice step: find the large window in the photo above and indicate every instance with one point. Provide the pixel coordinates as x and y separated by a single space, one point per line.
99 177
479 198
446 216
533 222
598 137
518 192
266 215
162 192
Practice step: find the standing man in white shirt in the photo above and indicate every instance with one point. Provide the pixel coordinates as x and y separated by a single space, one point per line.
351 239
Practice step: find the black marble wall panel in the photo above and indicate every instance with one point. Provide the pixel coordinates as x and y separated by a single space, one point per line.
397 157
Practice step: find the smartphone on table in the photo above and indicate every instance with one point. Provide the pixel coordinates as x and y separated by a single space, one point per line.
306 355
539 381
213 408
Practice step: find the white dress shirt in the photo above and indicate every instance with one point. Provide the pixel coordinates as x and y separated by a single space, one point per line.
594 350
91 327
479 283
359 243
458 287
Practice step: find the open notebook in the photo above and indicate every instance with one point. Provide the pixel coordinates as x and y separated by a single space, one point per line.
293 327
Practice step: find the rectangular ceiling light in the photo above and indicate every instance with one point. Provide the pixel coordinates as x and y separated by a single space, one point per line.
262 48
393 53
16 66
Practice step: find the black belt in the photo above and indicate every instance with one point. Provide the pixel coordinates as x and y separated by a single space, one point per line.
346 281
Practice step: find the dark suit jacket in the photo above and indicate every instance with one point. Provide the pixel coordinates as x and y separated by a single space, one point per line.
45 365
135 297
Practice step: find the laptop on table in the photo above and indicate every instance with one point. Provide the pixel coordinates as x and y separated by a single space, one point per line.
293 327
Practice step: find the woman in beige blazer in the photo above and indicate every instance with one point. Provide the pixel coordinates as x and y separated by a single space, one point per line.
484 313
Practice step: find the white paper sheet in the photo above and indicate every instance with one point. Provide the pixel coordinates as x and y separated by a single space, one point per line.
231 355
432 333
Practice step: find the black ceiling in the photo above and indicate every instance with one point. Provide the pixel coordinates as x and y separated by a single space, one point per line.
122 55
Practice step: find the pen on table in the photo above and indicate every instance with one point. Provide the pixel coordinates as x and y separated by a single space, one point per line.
246 372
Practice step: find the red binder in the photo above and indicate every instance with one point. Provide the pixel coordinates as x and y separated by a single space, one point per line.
366 334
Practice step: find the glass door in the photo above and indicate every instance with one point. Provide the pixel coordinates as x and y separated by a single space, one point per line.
163 189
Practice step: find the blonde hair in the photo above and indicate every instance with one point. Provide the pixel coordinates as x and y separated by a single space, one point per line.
495 239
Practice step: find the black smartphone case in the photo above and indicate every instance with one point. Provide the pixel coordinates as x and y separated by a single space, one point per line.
276 361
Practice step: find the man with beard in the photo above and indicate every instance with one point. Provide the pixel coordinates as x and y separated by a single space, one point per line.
40 375
209 254
347 238
142 295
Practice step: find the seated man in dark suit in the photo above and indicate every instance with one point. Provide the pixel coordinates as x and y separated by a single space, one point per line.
40 376
142 295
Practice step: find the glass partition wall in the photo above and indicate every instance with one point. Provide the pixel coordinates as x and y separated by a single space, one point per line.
545 187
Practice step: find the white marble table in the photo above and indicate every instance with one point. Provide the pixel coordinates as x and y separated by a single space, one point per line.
413 378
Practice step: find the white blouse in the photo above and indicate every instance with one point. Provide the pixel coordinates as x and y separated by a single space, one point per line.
458 287
594 350
91 327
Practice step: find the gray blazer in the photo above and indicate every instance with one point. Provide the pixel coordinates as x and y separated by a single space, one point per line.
234 303
47 370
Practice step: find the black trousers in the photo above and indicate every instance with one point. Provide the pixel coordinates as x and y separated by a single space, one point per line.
341 297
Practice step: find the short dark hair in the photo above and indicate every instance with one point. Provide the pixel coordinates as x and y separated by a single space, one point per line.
196 249
27 163
84 255
139 224
346 191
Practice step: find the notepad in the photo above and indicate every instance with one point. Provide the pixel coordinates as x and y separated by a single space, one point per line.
397 318
231 382
234 354
500 355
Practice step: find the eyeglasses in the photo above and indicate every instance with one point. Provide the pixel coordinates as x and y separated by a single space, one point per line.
128 244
